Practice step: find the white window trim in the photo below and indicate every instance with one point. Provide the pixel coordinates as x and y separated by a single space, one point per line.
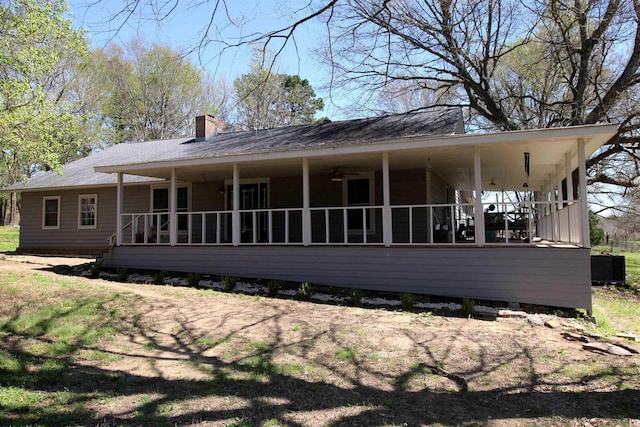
229 182
372 194
44 202
168 186
95 215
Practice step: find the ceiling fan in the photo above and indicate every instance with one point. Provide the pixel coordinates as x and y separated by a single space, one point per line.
338 175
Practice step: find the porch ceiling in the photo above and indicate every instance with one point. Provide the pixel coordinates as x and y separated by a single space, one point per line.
451 158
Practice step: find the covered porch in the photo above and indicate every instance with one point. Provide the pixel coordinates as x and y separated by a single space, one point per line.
451 215
518 188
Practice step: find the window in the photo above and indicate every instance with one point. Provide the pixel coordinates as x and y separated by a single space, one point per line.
359 191
51 212
160 204
87 211
160 199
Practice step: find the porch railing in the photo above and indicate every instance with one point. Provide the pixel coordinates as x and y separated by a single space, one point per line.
435 224
522 222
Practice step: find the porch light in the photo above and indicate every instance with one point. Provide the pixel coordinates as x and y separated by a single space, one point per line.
336 178
527 157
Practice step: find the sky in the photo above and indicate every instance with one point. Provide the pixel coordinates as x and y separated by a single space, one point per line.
182 27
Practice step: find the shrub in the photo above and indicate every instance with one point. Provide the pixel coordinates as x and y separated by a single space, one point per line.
94 269
355 296
229 282
305 291
468 306
407 301
193 279
122 274
274 286
158 277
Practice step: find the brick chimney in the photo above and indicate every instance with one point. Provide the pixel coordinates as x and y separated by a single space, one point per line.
208 126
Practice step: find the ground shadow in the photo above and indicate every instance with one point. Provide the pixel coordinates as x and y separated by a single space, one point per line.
270 395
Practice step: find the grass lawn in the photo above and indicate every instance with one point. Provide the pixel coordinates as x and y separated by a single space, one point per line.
78 351
9 237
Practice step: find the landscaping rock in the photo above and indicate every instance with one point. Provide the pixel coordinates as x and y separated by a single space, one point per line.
630 337
551 324
575 337
512 313
624 345
607 348
592 335
535 320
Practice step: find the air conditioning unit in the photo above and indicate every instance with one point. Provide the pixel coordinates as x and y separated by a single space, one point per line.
607 269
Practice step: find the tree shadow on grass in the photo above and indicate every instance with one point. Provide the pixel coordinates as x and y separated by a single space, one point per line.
254 387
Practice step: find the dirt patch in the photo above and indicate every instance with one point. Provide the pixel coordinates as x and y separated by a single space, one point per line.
42 260
194 357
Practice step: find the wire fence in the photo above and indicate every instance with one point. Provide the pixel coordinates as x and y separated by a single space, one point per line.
614 246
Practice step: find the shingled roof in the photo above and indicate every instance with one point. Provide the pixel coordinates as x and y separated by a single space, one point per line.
368 131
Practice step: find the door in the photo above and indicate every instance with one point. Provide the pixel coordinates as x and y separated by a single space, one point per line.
358 193
160 204
253 196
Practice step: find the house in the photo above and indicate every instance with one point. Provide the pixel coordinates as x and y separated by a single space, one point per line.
406 203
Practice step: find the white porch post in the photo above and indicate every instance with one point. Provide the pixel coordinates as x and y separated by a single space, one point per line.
569 195
306 204
559 184
558 199
119 207
235 215
387 236
582 192
173 219
428 199
479 213
553 210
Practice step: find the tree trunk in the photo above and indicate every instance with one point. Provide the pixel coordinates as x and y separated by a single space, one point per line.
14 219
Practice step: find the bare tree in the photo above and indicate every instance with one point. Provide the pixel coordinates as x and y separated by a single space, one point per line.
511 64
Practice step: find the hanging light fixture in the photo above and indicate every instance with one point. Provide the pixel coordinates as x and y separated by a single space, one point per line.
527 157
336 175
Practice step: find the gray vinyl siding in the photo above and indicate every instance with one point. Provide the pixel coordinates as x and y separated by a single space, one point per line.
408 187
548 276
440 191
68 238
